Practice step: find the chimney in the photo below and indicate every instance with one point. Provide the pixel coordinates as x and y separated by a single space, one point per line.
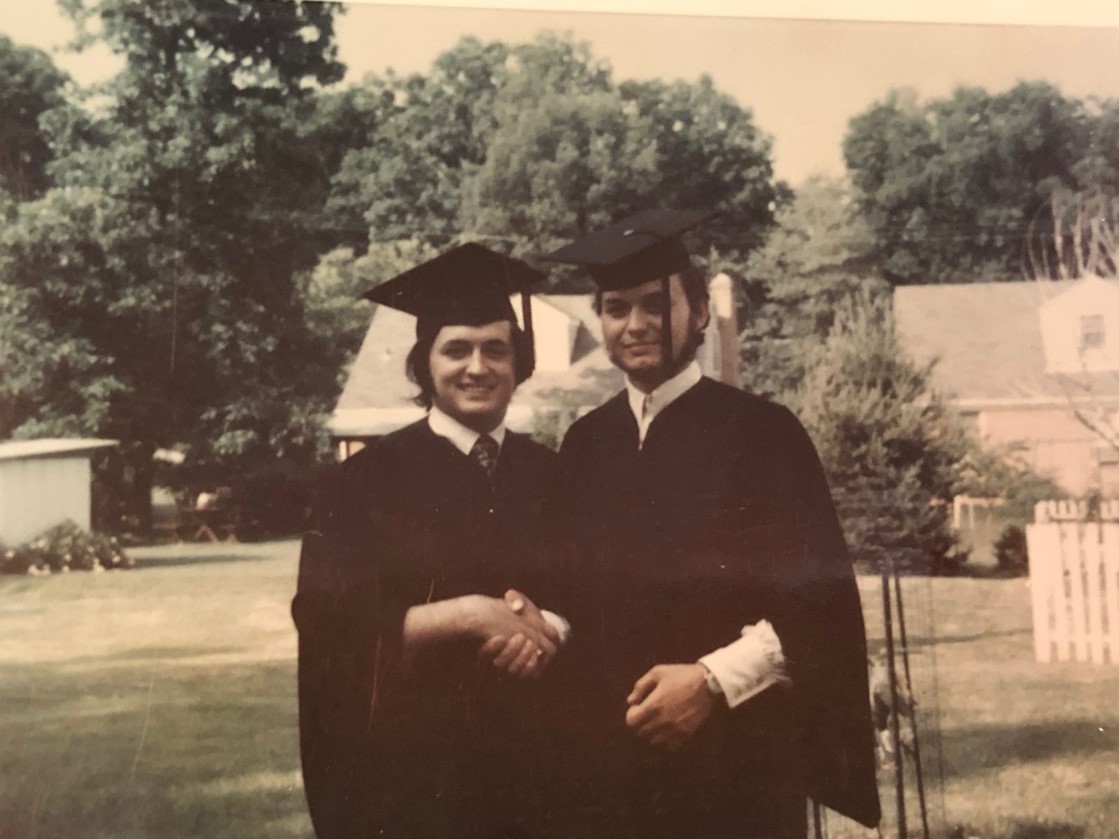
725 320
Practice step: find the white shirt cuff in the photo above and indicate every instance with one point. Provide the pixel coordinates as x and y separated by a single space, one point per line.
560 623
749 665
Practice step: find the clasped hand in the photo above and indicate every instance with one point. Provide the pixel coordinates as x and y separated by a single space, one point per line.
516 638
669 703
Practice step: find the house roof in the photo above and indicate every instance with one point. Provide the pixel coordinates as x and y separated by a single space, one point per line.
50 447
986 338
376 378
377 397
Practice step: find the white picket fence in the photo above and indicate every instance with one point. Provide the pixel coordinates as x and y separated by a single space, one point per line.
1074 581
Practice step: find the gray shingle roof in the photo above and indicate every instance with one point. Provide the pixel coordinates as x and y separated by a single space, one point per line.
987 339
376 378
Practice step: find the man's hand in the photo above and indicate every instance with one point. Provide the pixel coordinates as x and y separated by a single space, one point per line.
669 703
516 638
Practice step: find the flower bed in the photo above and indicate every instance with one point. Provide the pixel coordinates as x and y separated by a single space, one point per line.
64 547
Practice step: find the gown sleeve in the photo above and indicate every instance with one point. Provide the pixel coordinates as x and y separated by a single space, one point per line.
349 618
819 622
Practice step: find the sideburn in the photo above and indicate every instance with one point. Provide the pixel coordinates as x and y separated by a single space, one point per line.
688 351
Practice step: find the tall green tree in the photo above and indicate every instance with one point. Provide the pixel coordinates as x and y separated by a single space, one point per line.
1098 170
560 151
950 187
169 256
814 259
817 228
405 179
711 155
558 164
30 86
530 144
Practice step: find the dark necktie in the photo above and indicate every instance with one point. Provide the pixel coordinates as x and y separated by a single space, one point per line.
485 452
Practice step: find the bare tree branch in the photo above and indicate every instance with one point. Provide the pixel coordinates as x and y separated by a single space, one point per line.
1077 238
1084 242
1092 409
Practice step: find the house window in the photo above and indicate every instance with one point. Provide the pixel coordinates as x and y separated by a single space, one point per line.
1092 334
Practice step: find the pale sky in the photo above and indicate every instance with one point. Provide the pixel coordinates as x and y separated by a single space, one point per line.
803 79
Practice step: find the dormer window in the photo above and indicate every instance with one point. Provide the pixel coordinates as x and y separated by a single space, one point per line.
1092 333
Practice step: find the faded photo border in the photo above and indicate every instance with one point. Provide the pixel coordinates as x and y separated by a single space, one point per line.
1075 13
1070 16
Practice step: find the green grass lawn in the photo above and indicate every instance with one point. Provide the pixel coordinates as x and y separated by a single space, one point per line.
1011 748
160 702
157 702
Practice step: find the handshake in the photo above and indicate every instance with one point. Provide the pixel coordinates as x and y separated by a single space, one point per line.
517 636
666 706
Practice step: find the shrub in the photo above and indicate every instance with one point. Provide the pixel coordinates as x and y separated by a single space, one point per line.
549 428
64 547
1010 550
888 443
890 517
1001 473
274 501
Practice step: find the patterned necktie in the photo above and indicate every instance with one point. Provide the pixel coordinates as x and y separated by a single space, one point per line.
484 452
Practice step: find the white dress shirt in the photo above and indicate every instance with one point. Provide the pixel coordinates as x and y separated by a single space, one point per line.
646 406
754 661
462 437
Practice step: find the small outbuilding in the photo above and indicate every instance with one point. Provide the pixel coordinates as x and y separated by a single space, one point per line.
44 483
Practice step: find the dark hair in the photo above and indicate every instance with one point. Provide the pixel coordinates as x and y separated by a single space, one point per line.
417 366
692 280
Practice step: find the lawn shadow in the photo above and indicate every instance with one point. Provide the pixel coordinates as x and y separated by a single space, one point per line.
982 748
992 572
195 753
1043 830
197 559
932 641
156 654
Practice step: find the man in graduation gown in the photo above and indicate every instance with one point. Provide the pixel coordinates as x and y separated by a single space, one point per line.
418 630
729 677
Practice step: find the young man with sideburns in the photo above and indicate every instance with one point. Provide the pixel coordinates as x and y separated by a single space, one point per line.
726 678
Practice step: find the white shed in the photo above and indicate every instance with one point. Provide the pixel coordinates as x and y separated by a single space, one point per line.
43 483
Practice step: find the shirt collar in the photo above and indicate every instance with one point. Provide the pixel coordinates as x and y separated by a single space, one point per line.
462 437
664 394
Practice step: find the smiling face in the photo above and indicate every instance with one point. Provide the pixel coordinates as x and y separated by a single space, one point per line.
473 373
631 329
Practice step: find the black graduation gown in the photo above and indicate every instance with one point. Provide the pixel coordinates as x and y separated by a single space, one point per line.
447 749
722 518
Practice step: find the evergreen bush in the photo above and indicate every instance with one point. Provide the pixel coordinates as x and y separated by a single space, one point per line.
1010 550
888 442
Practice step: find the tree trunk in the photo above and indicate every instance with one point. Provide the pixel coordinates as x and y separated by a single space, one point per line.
134 485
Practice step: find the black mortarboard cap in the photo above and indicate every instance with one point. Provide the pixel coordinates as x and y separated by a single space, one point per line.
646 246
469 285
